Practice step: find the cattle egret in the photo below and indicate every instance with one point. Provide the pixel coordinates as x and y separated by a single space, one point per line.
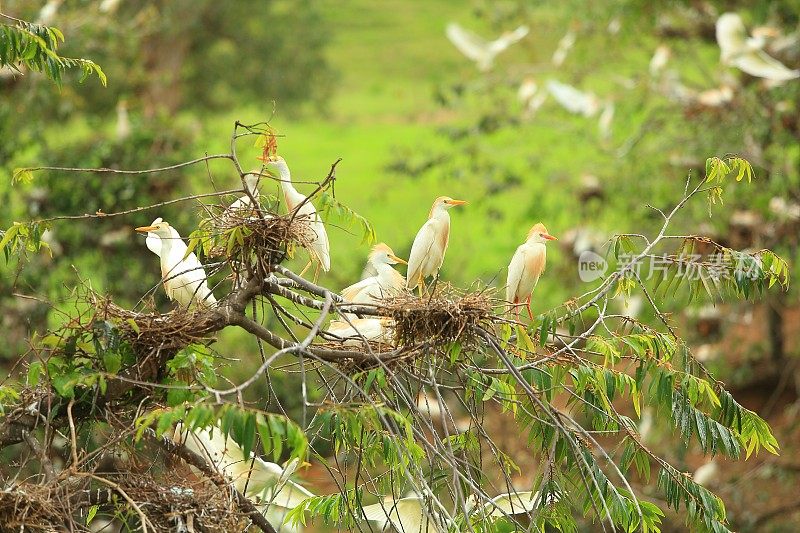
358 329
405 515
123 128
430 244
659 60
251 183
184 277
573 100
385 283
479 49
319 249
605 121
564 46
747 54
526 266
530 96
268 483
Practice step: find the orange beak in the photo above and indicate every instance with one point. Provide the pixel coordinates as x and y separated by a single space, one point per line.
395 258
456 202
145 229
549 237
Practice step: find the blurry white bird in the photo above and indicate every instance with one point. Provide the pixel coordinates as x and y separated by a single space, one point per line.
715 97
479 49
605 121
645 426
614 25
319 249
747 54
430 244
405 515
564 46
353 332
184 278
526 266
267 483
573 100
508 503
783 209
47 14
659 60
123 128
387 281
109 6
530 96
707 475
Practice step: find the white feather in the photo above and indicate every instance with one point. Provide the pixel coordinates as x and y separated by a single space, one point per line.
574 100
747 54
478 49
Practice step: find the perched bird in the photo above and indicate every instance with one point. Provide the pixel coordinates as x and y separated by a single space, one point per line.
385 283
659 60
357 329
319 249
251 180
183 275
410 514
430 244
747 54
479 49
508 503
574 100
564 46
267 483
526 266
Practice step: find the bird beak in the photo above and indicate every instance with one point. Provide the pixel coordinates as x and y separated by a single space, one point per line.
145 229
549 237
395 258
456 202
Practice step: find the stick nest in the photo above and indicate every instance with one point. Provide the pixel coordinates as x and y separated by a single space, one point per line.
446 316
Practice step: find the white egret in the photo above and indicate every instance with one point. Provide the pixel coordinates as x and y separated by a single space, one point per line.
410 514
319 249
371 329
531 96
659 60
508 503
715 97
244 202
183 275
430 244
574 100
385 283
562 49
526 266
479 49
747 54
48 12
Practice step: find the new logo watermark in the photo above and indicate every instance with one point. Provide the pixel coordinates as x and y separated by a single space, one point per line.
591 266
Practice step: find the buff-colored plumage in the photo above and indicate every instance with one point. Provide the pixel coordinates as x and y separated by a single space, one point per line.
430 244
385 283
526 266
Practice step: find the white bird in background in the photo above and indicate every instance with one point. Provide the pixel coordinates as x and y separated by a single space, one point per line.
387 281
479 49
707 474
123 129
357 329
267 483
184 278
659 60
715 97
530 96
109 6
526 266
574 100
410 514
564 46
48 13
513 503
747 54
430 244
251 180
605 121
319 249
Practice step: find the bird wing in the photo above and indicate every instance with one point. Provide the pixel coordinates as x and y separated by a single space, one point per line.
515 270
290 495
731 35
405 515
511 504
471 45
319 248
425 243
572 99
507 39
354 291
758 63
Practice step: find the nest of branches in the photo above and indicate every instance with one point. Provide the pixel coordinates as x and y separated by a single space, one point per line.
446 316
256 238
49 507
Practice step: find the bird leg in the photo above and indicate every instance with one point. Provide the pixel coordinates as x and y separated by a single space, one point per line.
421 286
310 261
528 305
316 271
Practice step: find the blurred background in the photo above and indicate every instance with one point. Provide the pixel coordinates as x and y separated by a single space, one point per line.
380 85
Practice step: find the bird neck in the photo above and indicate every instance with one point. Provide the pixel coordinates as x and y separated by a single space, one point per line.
290 194
440 213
